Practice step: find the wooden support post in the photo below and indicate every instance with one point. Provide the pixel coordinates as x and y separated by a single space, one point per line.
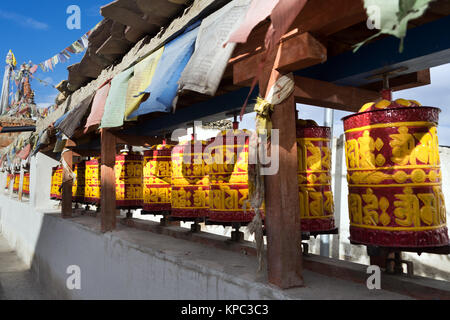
66 190
108 181
284 253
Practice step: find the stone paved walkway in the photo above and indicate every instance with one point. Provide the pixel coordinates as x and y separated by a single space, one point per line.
16 280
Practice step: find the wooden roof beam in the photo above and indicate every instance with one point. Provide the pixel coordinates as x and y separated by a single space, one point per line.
127 17
329 95
295 52
402 82
318 17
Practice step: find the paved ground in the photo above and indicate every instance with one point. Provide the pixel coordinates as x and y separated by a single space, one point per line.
16 280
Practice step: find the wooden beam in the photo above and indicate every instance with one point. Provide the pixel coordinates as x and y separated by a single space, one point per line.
324 18
127 17
318 17
66 190
282 222
295 52
135 140
108 181
406 81
86 153
424 47
329 95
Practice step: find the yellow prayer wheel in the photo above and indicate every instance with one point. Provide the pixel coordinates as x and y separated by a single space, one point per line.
78 186
394 176
9 177
56 182
228 176
16 182
92 182
26 183
190 183
128 170
158 179
314 178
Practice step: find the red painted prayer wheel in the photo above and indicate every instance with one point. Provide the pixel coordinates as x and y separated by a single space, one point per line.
78 186
9 177
92 182
56 182
128 170
190 183
228 175
158 179
314 177
26 183
394 176
16 182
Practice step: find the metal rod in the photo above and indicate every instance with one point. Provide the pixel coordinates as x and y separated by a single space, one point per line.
18 129
325 238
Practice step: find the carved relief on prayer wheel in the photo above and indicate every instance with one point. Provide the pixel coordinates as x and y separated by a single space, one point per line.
228 175
128 171
314 177
158 179
78 186
56 182
394 176
16 182
190 183
93 181
26 183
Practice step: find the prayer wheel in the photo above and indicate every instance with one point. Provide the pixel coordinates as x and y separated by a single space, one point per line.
128 170
9 177
78 186
314 177
92 182
394 176
26 183
57 175
190 183
16 182
228 177
157 179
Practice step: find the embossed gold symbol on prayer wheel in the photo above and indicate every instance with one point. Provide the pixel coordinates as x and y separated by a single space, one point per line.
78 186
158 179
314 177
128 170
16 182
190 183
394 176
93 181
228 175
26 183
56 182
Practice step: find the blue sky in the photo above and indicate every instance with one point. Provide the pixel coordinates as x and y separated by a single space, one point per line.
36 31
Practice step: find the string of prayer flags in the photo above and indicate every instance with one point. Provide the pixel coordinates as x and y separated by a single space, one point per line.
62 57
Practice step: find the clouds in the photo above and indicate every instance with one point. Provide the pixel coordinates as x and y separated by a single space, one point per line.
23 21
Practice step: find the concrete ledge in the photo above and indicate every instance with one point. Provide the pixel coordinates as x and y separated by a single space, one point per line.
415 287
135 264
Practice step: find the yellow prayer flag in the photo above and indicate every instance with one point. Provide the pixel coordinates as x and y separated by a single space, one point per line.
142 78
11 59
